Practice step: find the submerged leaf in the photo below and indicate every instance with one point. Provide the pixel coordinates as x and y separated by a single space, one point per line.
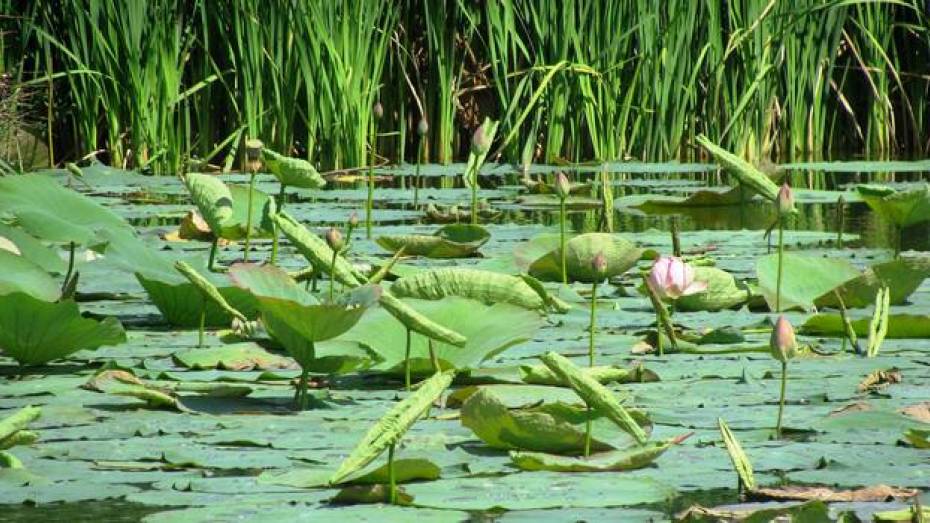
392 427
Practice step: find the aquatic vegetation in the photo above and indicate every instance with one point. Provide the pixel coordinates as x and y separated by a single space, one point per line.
902 208
783 346
13 432
481 142
562 189
670 279
450 241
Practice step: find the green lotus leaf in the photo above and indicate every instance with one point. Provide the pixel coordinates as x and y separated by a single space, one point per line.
33 331
594 394
34 250
236 356
294 320
18 421
207 289
212 198
484 286
541 375
263 209
919 438
902 277
317 252
621 255
745 172
392 427
612 461
48 211
488 330
450 241
416 322
738 457
899 325
17 274
804 278
903 208
124 383
553 427
723 292
292 172
405 471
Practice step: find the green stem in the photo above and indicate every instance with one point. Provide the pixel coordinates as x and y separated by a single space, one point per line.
70 271
562 241
248 220
392 480
302 391
274 239
660 345
781 400
781 248
587 434
433 358
203 321
416 176
593 324
407 363
332 276
213 254
371 180
474 197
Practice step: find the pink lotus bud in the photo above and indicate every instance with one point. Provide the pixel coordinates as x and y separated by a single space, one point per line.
783 344
378 110
599 264
422 127
480 143
562 186
785 200
334 239
353 220
671 278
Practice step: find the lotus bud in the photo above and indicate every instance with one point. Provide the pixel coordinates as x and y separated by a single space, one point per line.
334 239
783 344
671 278
785 200
378 110
353 220
480 143
562 186
422 127
253 154
599 265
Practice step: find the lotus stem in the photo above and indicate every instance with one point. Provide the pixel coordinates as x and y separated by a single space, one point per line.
676 240
416 176
660 344
302 388
840 220
562 241
70 271
474 196
371 179
248 219
781 399
274 239
899 238
593 324
433 358
407 363
587 434
203 320
216 241
332 276
781 249
392 479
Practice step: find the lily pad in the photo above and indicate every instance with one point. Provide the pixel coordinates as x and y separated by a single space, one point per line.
804 278
723 291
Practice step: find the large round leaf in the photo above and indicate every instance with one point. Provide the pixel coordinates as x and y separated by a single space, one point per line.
621 255
903 208
489 330
263 208
902 277
17 274
33 331
451 241
723 292
804 278
293 172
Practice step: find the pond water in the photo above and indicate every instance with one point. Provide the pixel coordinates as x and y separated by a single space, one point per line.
105 457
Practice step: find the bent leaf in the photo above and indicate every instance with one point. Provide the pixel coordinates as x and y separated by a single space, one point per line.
594 394
419 323
745 172
207 289
212 198
617 460
293 172
18 421
739 459
903 208
484 286
451 241
317 252
902 276
17 274
35 332
392 427
541 375
723 292
621 255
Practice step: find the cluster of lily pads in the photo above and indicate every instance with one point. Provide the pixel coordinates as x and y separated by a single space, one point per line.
425 328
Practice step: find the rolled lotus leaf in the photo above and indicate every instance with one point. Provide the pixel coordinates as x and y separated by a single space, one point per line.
541 375
317 252
594 394
18 421
484 286
207 289
212 198
617 460
621 255
723 292
904 208
739 459
292 172
392 427
451 241
419 323
745 172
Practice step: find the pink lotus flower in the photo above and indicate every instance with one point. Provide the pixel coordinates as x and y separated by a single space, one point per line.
671 278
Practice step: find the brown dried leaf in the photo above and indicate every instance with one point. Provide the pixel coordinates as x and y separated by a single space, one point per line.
880 379
859 406
919 411
880 493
